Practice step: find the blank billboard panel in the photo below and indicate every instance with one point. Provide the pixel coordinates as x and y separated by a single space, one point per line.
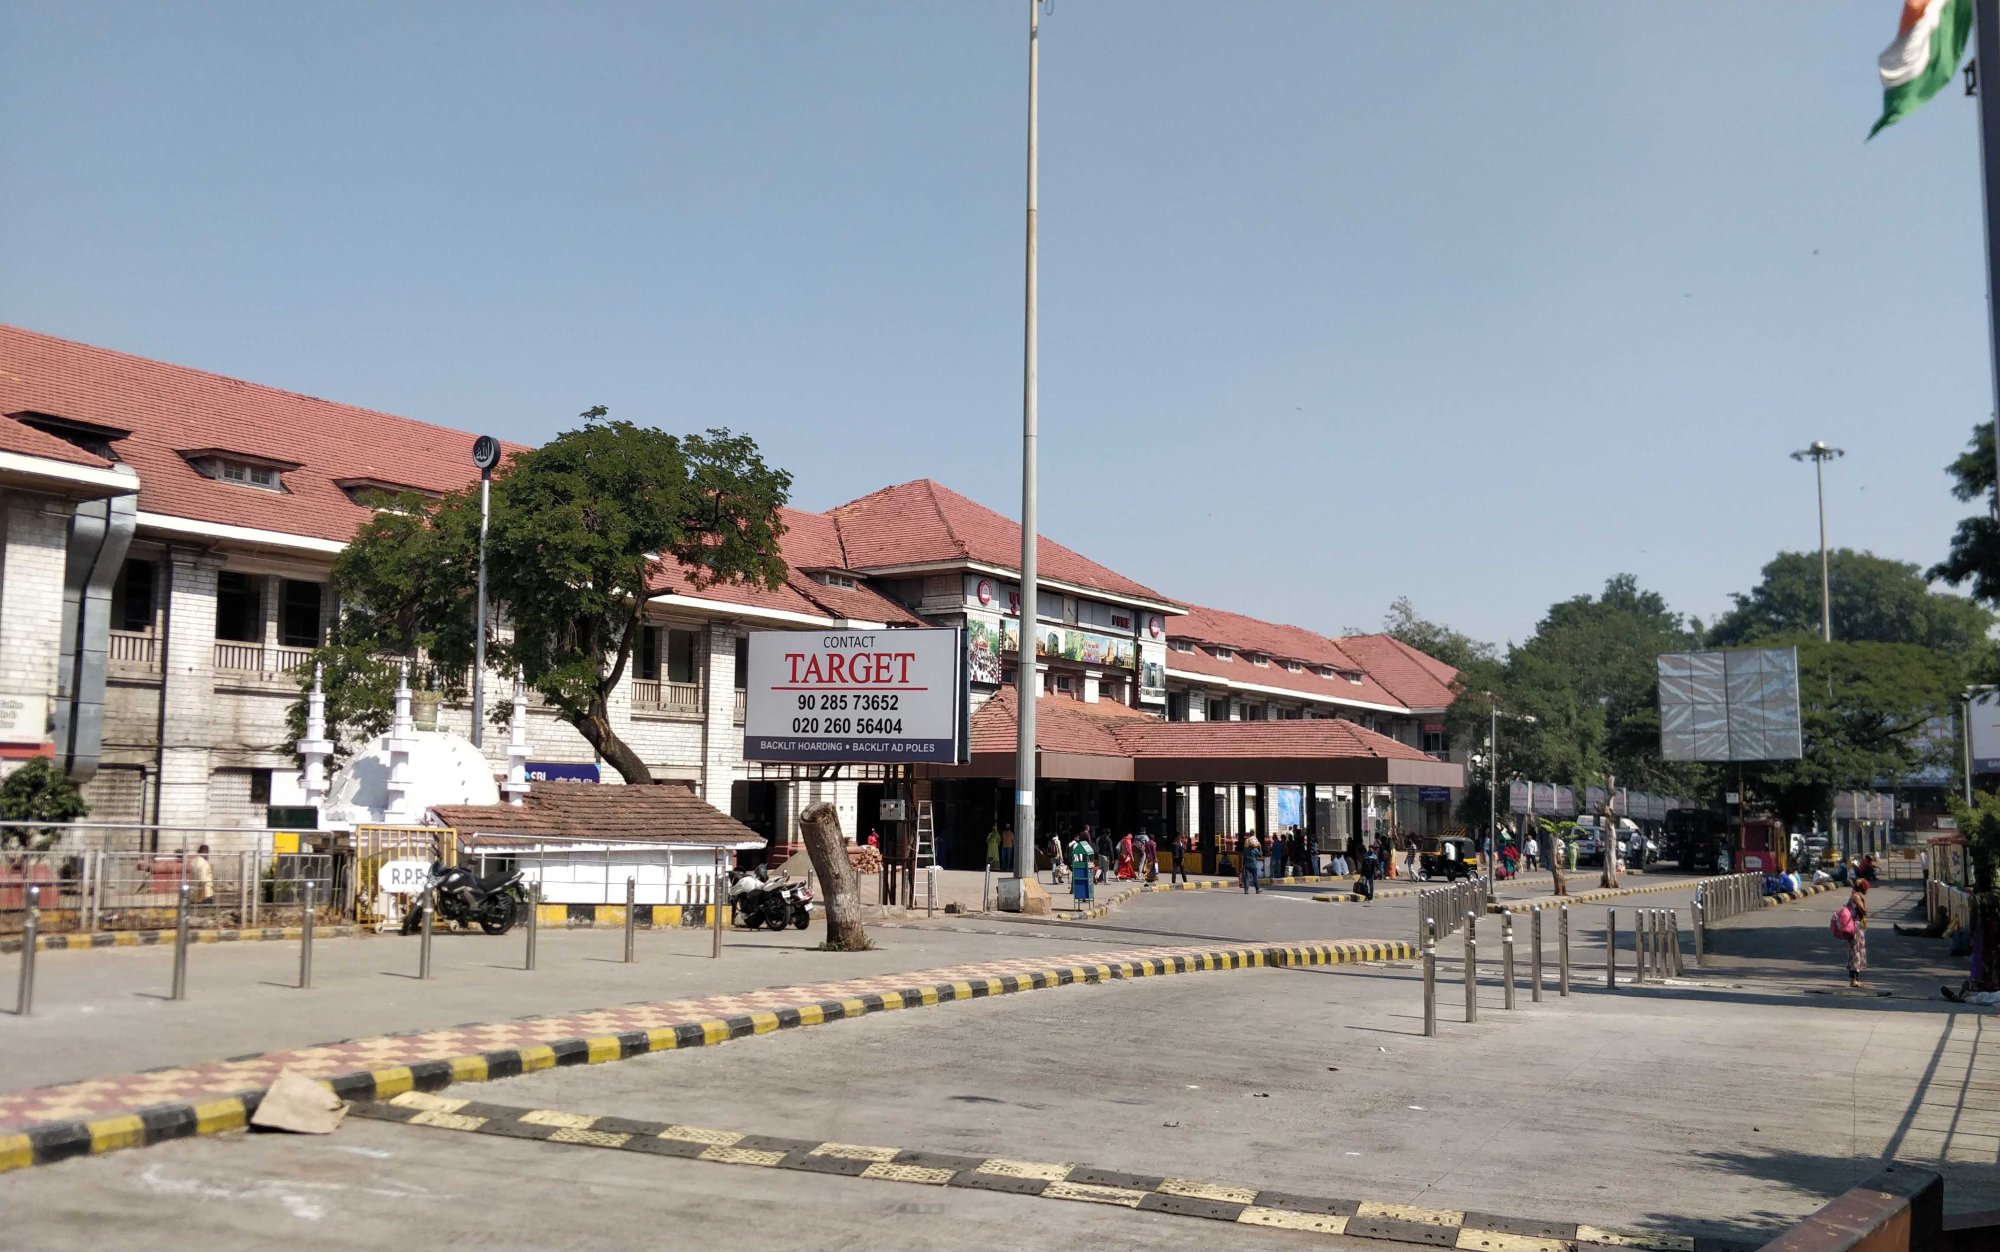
1740 705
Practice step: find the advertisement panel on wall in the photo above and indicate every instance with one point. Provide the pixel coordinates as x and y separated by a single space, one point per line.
1152 673
1737 705
995 636
1984 724
876 695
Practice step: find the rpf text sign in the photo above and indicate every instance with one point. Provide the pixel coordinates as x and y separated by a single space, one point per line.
855 695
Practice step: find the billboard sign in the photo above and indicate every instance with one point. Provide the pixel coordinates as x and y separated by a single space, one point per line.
1739 705
1984 726
855 695
562 771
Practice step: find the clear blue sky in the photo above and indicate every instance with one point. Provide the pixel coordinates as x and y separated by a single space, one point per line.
1476 303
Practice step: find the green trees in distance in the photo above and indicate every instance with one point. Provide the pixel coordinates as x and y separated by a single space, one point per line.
580 528
1873 599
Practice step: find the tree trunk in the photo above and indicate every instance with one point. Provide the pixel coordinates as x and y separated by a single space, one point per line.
595 727
827 847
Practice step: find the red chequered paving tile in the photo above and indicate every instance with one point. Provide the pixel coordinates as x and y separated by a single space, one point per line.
214 1079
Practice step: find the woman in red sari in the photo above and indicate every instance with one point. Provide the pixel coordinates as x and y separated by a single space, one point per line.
1126 866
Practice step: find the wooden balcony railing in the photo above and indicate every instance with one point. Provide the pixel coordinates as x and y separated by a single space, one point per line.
651 695
255 658
133 648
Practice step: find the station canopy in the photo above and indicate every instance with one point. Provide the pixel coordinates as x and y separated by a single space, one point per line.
1111 743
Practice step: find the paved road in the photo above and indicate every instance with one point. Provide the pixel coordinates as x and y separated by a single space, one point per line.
1739 1101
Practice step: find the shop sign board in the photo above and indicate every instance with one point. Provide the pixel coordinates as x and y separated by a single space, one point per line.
856 695
562 771
23 718
1984 725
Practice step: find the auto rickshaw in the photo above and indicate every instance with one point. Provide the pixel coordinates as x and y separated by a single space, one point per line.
1448 858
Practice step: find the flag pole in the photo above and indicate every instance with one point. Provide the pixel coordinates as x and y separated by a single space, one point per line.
1986 55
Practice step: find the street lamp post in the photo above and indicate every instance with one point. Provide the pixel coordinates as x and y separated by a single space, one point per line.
1027 680
1819 453
485 454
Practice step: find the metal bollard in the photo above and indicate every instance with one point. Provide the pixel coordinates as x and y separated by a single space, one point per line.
181 947
1611 949
1535 955
424 952
985 888
1562 951
715 911
1471 968
1697 924
306 940
930 891
534 921
631 914
1639 918
1430 980
1507 958
1674 943
24 992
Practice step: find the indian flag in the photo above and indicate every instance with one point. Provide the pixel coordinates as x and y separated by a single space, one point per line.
1929 45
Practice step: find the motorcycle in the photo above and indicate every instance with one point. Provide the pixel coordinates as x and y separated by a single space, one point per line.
755 899
494 902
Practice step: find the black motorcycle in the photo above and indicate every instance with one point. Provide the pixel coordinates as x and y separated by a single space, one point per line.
758 900
463 898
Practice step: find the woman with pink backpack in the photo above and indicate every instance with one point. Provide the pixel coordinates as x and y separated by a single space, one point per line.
1851 925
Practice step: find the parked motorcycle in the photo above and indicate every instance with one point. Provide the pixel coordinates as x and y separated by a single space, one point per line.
463 898
756 899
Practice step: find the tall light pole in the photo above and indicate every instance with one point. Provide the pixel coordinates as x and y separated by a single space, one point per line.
1027 681
485 454
1493 777
1819 453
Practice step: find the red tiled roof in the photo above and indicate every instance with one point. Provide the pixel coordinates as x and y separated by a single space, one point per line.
1067 725
1219 627
662 813
171 408
1062 724
798 594
1305 682
923 521
26 440
812 540
1420 680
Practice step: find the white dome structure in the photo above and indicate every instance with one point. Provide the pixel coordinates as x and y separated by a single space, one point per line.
443 769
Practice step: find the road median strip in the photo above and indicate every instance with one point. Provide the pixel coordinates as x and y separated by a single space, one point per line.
153 938
1050 1180
43 1141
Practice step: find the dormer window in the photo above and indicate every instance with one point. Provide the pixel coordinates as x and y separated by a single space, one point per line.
1259 659
1355 678
830 579
251 475
242 468
1293 667
89 436
1225 654
1327 671
380 494
1181 645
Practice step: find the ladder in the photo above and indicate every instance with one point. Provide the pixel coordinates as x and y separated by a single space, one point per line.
926 858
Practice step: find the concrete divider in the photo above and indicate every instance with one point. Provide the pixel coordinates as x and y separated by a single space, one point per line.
1900 1209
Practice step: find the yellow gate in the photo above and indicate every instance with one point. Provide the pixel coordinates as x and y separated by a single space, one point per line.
375 846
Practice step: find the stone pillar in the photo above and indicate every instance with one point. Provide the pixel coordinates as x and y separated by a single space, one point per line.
187 686
402 738
516 786
722 746
32 560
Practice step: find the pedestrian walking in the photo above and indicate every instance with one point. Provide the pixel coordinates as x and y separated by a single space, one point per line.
1180 858
1151 857
1007 847
1410 857
1127 867
202 875
1103 846
1056 858
1851 923
1364 886
993 846
1252 853
1533 848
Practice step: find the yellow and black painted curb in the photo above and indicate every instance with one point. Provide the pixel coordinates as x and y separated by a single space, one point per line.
1615 893
49 1142
153 938
1049 1180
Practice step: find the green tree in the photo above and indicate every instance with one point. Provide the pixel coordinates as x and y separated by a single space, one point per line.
1455 648
1873 599
1975 547
38 792
1861 708
580 529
